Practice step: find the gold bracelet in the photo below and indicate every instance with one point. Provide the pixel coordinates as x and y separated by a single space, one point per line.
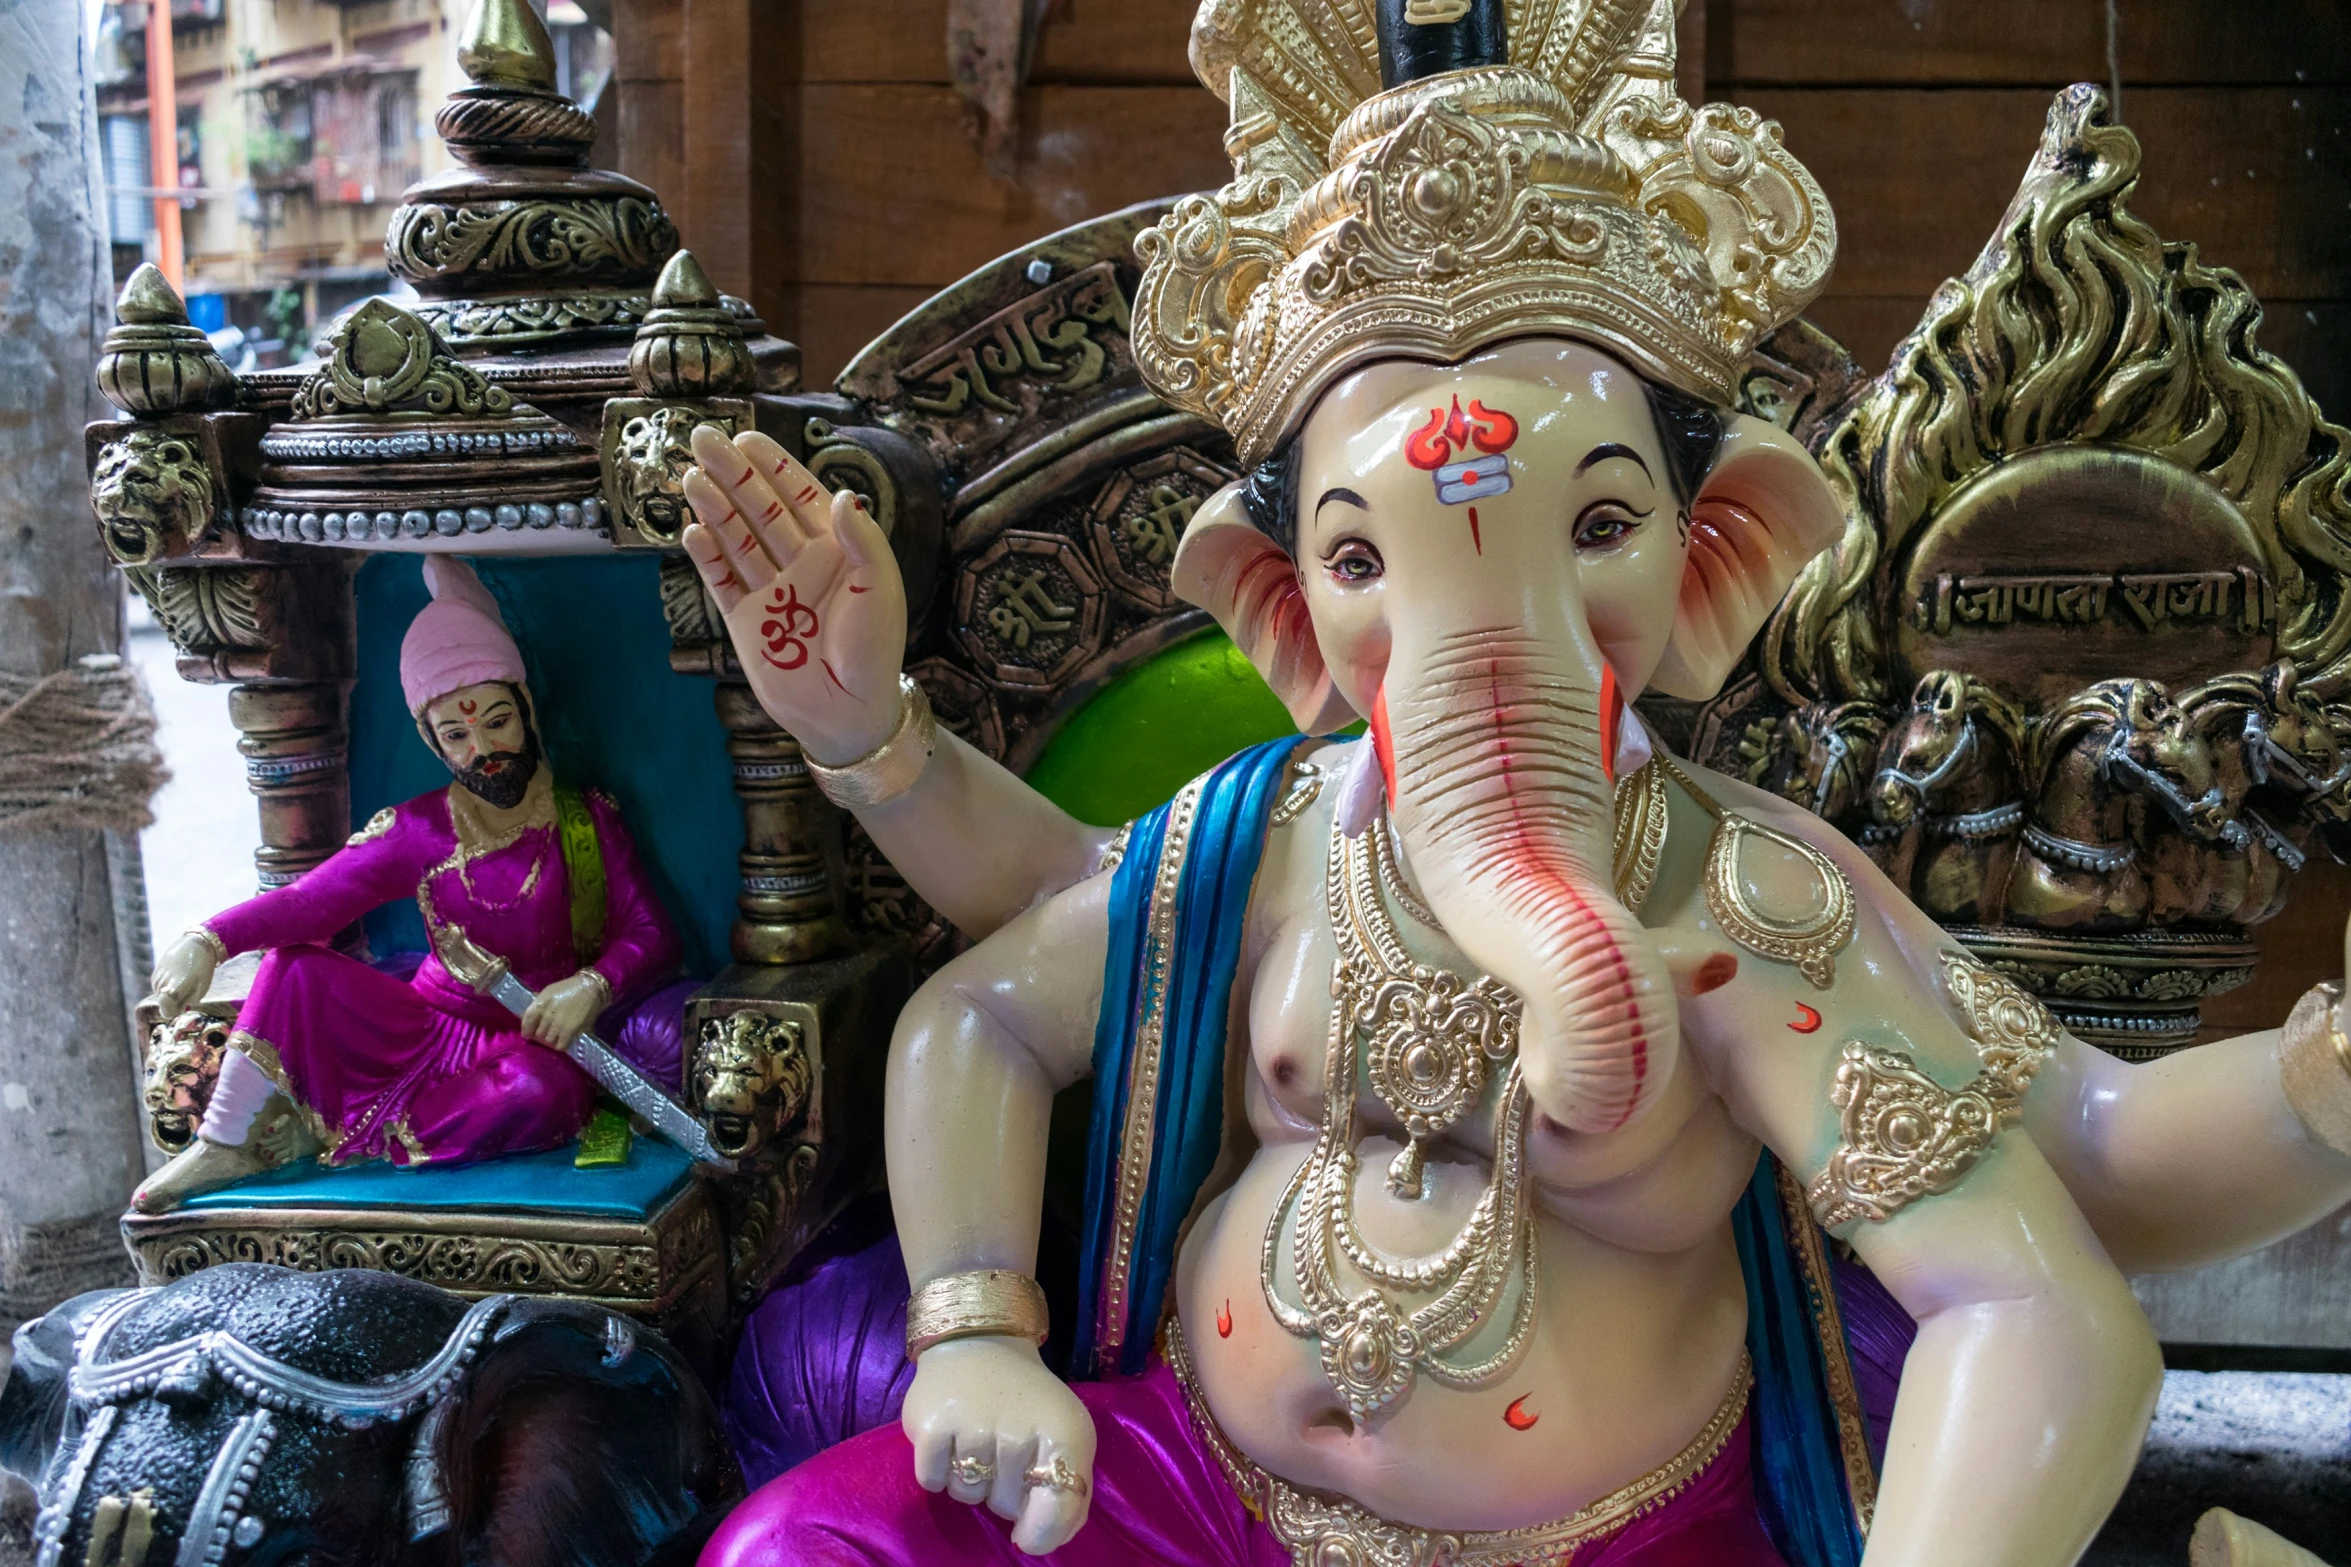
2314 1067
970 1305
889 769
595 976
220 948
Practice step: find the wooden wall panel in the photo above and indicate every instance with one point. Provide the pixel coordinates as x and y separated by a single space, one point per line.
1087 43
2051 42
897 194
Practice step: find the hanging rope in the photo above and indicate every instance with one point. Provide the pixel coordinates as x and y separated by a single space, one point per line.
77 749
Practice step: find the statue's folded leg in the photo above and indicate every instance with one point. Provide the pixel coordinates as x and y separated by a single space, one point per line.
1158 1497
516 1097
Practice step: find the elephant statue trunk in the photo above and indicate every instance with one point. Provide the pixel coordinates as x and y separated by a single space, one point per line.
1497 743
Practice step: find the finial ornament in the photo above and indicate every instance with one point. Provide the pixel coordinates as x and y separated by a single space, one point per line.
690 345
506 45
1568 191
153 361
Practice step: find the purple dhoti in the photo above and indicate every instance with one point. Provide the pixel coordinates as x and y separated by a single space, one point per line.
1159 1496
423 1068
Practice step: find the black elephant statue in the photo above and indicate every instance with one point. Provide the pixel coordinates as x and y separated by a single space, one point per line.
250 1415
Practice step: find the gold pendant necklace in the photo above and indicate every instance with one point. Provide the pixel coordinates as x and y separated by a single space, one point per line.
1426 1040
1811 943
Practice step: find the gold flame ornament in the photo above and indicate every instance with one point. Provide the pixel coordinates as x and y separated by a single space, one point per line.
1569 192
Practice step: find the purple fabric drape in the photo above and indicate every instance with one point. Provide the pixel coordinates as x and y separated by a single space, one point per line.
821 1359
1878 1333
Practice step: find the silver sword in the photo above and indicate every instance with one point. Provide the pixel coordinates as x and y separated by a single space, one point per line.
491 976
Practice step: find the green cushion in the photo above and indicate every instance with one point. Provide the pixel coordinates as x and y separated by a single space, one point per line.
518 1183
1155 728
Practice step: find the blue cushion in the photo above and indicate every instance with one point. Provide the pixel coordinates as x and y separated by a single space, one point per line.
528 1183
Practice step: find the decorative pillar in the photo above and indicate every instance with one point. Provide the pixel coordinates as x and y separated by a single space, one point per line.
297 754
790 905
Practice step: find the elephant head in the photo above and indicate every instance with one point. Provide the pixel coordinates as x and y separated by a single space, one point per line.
1489 560
250 1415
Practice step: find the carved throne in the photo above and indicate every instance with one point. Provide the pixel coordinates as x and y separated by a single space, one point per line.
530 412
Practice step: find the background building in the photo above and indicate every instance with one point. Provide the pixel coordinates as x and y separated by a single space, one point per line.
299 123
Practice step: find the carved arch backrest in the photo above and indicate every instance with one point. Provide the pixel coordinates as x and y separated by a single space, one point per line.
1064 485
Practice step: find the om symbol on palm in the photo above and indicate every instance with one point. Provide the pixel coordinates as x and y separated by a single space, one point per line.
787 629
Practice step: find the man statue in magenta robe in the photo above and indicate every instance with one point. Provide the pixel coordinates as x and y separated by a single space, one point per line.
423 1069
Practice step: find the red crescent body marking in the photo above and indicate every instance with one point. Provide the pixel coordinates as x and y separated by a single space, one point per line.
1224 1320
1518 1417
1383 744
1807 1020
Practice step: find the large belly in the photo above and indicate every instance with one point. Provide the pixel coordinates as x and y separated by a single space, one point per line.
1631 1355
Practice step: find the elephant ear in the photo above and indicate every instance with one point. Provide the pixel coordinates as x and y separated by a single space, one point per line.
580 1439
1250 584
1764 510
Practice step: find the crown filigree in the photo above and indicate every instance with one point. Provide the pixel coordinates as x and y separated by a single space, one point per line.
1571 191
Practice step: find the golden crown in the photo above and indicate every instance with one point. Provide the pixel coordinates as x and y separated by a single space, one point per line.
1568 191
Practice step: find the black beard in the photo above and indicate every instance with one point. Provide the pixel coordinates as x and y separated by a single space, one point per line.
504 788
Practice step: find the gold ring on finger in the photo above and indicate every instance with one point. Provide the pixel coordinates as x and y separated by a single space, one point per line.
973 1470
1059 1475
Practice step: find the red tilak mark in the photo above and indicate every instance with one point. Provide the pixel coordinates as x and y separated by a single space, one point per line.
1433 444
836 679
1383 743
1611 719
1715 973
748 471
465 707
807 495
1518 1417
1807 1019
786 635
1224 1320
854 588
774 510
1476 543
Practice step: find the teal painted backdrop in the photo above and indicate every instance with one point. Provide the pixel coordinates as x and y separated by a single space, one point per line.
610 711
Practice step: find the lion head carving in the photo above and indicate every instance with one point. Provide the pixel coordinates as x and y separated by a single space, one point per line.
655 451
148 485
183 1062
751 1079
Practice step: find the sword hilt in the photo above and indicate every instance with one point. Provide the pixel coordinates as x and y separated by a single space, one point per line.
461 957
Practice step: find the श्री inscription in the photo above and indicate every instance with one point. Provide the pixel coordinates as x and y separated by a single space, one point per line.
1025 609
1153 533
1047 337
2148 600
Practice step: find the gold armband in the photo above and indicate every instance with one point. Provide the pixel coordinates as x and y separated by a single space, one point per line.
2314 1067
220 948
595 976
889 769
1901 1134
993 1301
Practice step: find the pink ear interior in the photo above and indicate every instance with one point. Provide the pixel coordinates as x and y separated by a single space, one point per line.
1243 578
1764 511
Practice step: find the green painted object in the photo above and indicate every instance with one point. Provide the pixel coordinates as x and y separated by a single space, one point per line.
1155 728
604 1141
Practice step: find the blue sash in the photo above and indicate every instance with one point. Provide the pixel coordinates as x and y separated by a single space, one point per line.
1177 902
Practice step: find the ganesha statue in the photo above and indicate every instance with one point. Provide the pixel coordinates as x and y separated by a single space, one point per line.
508 861
1474 1102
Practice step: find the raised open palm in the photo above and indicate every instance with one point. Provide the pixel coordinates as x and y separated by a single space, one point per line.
809 589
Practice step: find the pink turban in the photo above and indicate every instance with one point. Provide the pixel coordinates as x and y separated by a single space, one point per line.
457 640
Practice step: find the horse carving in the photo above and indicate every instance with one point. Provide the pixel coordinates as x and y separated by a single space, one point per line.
2281 767
1946 806
2093 765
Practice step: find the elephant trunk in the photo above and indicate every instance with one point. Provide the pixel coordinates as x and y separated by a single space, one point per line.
1493 741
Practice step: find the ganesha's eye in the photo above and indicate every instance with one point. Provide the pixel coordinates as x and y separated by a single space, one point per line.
1605 524
1353 561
